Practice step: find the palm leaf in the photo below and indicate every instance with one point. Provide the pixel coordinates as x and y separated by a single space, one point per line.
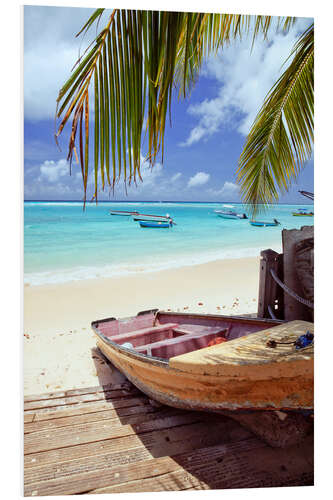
280 140
135 62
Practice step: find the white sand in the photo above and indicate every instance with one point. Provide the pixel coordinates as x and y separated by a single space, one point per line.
59 346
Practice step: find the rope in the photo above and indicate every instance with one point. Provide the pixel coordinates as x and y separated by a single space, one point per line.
271 312
290 292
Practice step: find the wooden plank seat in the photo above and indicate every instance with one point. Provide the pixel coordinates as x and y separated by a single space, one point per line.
181 344
200 329
145 335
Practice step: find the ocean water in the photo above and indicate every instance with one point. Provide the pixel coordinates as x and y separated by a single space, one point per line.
63 243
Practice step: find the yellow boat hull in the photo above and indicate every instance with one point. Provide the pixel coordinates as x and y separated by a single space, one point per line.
240 374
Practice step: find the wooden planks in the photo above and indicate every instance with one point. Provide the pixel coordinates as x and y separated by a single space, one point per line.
72 448
246 351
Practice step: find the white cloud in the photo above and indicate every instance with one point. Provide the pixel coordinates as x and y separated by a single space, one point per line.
228 190
198 179
50 51
51 171
245 78
175 177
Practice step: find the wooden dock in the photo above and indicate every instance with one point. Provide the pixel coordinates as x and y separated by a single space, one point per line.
114 439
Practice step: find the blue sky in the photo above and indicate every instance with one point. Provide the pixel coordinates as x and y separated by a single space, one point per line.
208 129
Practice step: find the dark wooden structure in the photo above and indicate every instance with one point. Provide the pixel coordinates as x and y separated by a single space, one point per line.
112 439
274 301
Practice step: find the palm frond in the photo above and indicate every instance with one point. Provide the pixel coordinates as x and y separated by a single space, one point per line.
280 140
133 65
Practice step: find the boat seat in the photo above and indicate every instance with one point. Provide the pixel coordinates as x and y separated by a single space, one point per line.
199 329
179 345
144 335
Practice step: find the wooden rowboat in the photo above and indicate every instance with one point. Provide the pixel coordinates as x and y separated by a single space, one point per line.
211 363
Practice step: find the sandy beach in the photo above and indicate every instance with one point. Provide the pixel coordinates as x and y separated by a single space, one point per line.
59 346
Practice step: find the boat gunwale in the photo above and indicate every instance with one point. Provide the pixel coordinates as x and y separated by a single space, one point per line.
163 362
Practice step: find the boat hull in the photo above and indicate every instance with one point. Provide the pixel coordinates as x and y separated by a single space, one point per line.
263 224
227 216
154 224
184 382
150 217
122 213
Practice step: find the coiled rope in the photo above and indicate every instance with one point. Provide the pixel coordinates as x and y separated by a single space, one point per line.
290 292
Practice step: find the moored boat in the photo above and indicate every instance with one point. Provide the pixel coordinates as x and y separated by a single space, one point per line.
156 223
229 214
149 217
213 362
125 213
258 223
303 212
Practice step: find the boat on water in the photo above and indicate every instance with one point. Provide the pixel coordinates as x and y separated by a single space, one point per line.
303 212
122 212
258 223
229 214
156 223
211 362
149 217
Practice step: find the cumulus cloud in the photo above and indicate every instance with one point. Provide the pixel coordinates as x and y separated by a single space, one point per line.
51 171
244 79
50 51
228 190
175 177
198 179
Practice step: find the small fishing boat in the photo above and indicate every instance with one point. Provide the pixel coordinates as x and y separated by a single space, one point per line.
229 214
212 362
156 223
149 217
303 212
125 213
257 223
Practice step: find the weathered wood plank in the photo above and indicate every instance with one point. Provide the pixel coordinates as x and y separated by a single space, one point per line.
133 414
230 468
98 431
138 470
108 460
81 398
238 466
80 409
248 350
77 392
159 443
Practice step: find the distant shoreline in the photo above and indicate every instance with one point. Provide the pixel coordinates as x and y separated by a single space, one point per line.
152 201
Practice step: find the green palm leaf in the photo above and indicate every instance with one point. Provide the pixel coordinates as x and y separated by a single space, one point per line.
280 140
136 61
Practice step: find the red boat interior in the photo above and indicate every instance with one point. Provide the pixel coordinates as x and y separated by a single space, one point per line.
165 335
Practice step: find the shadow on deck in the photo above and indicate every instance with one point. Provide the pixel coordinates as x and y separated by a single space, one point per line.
112 438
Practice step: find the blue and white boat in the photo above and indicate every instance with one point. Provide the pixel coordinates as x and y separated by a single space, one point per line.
229 214
303 212
156 223
258 223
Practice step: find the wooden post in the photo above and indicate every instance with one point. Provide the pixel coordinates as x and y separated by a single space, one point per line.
292 308
269 259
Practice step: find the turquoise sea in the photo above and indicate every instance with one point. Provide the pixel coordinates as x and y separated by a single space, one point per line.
63 243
